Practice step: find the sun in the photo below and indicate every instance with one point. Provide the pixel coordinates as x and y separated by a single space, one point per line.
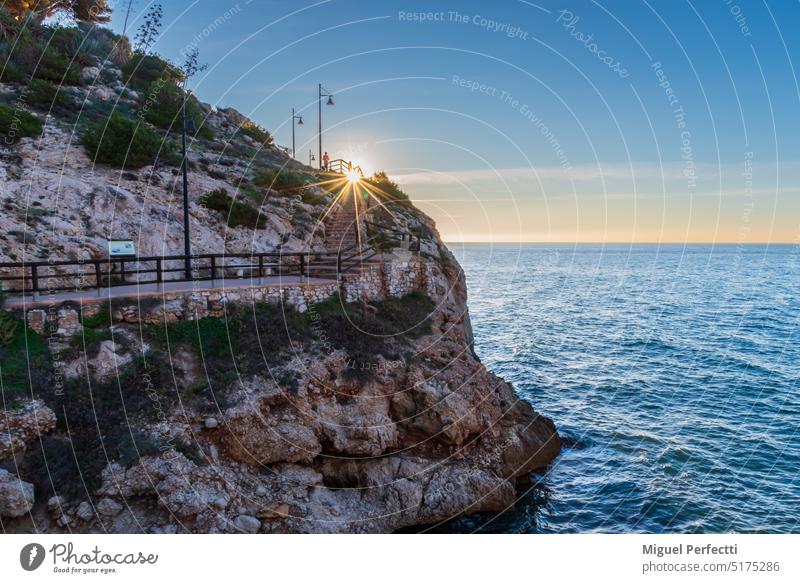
353 177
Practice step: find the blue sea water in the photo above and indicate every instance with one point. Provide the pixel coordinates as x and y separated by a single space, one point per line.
670 371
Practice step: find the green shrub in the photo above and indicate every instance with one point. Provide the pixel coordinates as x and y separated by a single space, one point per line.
122 142
165 100
279 179
16 123
217 200
45 95
101 319
88 44
8 72
389 191
313 198
257 133
142 70
238 214
58 68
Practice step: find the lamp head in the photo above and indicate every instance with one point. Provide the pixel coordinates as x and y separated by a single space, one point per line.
330 99
300 120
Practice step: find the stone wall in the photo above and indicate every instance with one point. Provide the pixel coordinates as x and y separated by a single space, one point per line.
394 276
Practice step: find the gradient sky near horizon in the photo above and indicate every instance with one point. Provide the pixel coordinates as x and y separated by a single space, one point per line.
505 121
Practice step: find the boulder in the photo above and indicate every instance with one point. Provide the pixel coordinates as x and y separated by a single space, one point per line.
16 496
247 524
20 427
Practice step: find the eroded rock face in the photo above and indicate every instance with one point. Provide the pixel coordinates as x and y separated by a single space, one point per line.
429 435
424 439
20 427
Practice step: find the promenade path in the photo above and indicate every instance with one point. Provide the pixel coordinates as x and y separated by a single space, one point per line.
160 289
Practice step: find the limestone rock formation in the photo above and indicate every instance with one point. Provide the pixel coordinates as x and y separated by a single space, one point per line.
285 436
16 496
19 428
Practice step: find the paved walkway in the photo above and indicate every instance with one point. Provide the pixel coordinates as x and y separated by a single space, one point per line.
157 289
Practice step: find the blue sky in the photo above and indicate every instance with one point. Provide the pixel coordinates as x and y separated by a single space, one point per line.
507 121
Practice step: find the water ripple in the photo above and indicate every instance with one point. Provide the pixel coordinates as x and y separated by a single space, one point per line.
671 372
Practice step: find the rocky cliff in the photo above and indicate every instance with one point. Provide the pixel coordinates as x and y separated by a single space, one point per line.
256 414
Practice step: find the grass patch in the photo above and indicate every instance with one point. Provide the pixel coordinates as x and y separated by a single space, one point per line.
364 334
24 360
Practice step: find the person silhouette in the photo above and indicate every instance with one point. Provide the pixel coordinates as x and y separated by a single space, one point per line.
325 160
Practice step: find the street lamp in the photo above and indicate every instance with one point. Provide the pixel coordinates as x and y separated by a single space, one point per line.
187 248
299 119
329 95
310 156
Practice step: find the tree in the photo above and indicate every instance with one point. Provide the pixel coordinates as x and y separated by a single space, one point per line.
149 29
92 11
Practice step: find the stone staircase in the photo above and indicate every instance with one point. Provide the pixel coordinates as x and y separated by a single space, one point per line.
341 237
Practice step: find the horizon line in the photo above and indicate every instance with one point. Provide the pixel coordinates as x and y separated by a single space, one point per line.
751 243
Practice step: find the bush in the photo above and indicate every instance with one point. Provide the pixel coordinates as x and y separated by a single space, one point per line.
238 214
8 72
389 190
165 100
313 198
16 123
279 179
122 142
143 70
45 95
257 133
58 68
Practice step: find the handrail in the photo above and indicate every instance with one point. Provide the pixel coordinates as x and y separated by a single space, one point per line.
129 270
341 166
119 271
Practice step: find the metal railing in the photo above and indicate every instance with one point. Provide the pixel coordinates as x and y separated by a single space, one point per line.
88 274
341 166
396 237
51 276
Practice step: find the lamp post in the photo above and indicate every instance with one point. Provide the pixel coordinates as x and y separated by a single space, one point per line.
299 119
310 156
329 95
187 247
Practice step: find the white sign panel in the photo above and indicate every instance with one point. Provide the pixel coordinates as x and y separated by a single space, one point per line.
116 248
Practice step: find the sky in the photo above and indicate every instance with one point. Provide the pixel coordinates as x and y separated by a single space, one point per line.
509 121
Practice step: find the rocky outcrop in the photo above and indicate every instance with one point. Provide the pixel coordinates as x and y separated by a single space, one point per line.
424 439
16 496
20 427
304 443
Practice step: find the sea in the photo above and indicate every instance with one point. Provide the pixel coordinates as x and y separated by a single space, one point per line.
671 372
